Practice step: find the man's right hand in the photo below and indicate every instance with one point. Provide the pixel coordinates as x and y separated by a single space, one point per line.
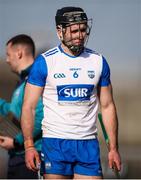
32 159
114 158
6 142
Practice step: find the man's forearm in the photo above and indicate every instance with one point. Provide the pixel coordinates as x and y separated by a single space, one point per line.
27 122
111 124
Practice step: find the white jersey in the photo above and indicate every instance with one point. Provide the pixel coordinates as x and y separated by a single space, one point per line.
70 92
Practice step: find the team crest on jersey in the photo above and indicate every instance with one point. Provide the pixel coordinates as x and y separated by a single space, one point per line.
91 74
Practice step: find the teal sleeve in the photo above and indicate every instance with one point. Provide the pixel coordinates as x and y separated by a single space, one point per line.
4 107
38 118
17 101
19 138
37 124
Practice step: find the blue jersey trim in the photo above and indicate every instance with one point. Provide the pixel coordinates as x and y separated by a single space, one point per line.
105 75
91 51
39 72
50 52
62 51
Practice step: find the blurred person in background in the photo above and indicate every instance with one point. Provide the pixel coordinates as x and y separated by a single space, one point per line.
20 52
73 80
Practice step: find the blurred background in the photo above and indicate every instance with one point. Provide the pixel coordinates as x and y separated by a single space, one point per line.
116 33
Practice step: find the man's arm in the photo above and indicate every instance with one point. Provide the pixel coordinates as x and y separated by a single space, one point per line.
32 94
110 121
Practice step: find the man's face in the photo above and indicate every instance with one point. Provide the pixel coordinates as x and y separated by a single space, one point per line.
12 57
75 34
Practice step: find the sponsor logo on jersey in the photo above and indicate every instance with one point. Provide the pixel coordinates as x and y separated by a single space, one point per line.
75 92
59 75
91 74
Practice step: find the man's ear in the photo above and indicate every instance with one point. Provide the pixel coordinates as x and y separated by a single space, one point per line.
59 32
19 53
59 36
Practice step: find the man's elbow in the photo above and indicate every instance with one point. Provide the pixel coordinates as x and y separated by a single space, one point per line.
27 107
107 106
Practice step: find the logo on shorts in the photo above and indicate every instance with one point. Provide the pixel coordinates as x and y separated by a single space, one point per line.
48 165
99 171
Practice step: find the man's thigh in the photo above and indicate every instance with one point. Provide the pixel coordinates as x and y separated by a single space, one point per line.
56 176
78 176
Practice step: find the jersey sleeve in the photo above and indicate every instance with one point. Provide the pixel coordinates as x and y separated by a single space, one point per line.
38 73
4 107
105 75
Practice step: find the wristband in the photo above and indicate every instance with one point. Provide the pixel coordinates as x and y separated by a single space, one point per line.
28 143
29 148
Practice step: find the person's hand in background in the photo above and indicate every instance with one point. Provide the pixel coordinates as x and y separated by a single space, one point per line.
6 142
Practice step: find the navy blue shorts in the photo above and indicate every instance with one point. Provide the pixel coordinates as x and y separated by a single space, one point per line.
68 157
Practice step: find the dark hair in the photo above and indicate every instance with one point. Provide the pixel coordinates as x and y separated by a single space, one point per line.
70 14
25 40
